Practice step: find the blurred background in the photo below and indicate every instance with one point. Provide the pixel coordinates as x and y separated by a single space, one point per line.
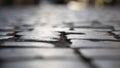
90 2
68 10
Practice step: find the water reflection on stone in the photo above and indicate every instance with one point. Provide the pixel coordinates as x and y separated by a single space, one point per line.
60 34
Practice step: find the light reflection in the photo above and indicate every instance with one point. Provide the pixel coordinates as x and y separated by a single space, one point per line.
82 4
100 3
46 30
77 5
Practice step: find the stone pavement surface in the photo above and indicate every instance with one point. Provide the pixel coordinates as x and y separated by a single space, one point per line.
53 36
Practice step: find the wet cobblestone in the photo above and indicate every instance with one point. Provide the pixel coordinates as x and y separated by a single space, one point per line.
50 35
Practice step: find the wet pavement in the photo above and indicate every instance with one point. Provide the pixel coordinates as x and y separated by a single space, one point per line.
54 36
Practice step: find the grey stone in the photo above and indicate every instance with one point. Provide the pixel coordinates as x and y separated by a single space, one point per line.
101 53
6 28
39 38
5 37
6 33
94 36
45 58
107 63
117 33
27 44
44 64
94 44
97 30
45 53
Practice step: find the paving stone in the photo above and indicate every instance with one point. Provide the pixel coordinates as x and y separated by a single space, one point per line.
107 63
45 64
101 53
117 28
38 33
6 33
11 28
45 53
27 44
94 44
61 29
95 27
21 28
87 32
98 30
5 37
83 23
24 33
39 38
73 32
45 58
6 28
100 37
117 33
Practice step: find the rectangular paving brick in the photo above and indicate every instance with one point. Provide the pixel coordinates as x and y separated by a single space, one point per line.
117 27
116 33
94 44
44 58
6 28
107 63
101 53
95 27
97 30
44 53
44 64
5 37
6 33
94 36
27 44
38 33
88 32
39 38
